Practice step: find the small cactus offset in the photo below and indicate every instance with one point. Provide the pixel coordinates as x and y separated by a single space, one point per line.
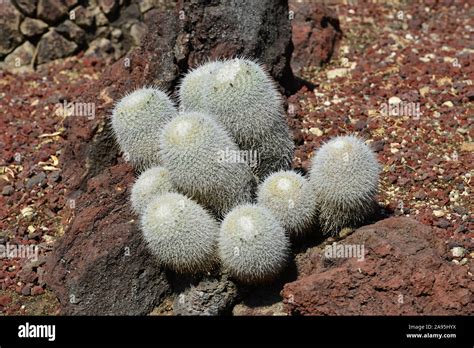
191 147
180 233
244 99
252 244
152 182
287 195
344 176
137 120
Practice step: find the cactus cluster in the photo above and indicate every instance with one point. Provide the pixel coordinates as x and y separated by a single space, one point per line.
201 203
244 99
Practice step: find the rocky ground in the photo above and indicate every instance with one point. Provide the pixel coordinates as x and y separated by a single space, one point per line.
402 78
33 208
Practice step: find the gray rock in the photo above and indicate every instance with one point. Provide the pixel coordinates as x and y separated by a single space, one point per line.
101 19
72 31
210 297
8 190
82 17
21 58
51 11
38 179
54 177
109 7
33 27
146 5
103 32
27 7
460 209
100 47
118 50
274 309
116 35
53 46
137 32
128 16
10 36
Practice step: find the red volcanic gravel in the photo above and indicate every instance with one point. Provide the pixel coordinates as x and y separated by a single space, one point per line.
421 57
33 211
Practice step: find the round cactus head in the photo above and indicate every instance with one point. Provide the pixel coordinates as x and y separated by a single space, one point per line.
193 88
287 195
137 120
192 145
244 98
344 175
180 233
252 244
187 130
152 182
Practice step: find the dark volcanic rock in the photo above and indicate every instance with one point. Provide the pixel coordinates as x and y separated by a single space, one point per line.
196 33
209 297
10 36
27 7
108 6
316 34
33 27
405 272
38 179
72 32
51 11
54 46
102 266
223 29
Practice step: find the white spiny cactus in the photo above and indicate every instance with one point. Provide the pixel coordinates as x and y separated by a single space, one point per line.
252 244
192 145
180 233
344 176
137 120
